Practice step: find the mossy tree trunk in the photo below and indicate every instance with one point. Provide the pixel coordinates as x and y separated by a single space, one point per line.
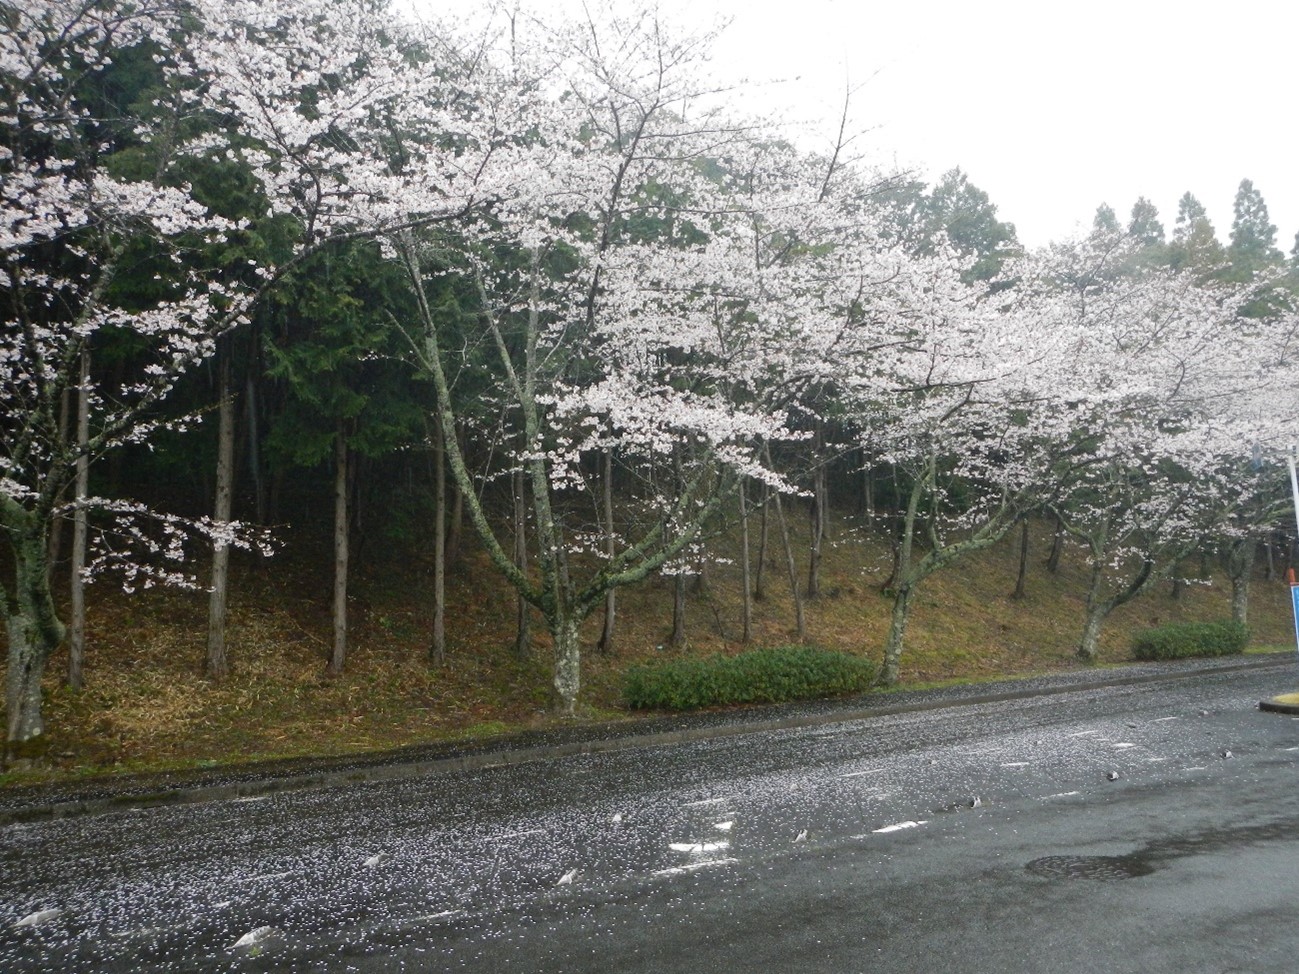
31 623
1240 557
1099 605
911 571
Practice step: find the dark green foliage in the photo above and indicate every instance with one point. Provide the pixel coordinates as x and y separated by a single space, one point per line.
760 676
1190 639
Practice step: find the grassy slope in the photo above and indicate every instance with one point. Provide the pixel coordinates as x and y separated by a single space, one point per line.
147 704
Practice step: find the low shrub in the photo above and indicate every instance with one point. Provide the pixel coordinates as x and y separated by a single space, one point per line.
1190 639
758 676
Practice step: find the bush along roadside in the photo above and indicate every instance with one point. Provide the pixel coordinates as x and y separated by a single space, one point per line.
1190 639
768 675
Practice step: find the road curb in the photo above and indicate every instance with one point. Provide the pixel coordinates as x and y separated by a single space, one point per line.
399 769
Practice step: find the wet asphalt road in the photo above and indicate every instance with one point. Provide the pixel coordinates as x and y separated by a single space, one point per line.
979 838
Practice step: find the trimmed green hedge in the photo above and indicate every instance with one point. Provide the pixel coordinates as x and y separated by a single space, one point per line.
758 676
1191 639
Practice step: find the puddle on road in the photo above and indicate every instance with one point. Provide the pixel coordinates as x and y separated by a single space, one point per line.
1090 867
1155 854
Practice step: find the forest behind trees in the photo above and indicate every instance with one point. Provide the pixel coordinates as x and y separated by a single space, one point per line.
545 294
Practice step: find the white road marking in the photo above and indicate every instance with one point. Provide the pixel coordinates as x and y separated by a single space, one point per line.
678 870
1060 794
698 848
1085 733
518 835
1016 764
39 917
1160 720
899 827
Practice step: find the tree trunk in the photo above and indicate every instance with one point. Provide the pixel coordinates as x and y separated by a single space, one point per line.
34 634
759 590
523 634
568 659
437 651
77 611
65 423
254 441
1089 645
747 597
1057 544
1020 592
903 591
868 491
1240 566
677 639
218 662
341 514
816 526
605 645
888 675
800 623
1098 608
455 527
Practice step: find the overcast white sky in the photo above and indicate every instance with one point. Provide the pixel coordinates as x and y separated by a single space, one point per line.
1052 107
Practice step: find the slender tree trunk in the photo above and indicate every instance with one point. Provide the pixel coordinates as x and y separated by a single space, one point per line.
1179 584
605 645
817 512
341 524
759 589
218 662
455 526
745 584
1269 571
254 443
1020 591
1057 545
868 490
65 423
523 633
438 647
800 623
77 612
677 639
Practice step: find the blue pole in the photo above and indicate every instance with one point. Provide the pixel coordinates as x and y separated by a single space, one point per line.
1294 586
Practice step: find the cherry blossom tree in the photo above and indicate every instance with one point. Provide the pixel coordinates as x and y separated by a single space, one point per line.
603 290
1171 388
73 221
305 96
